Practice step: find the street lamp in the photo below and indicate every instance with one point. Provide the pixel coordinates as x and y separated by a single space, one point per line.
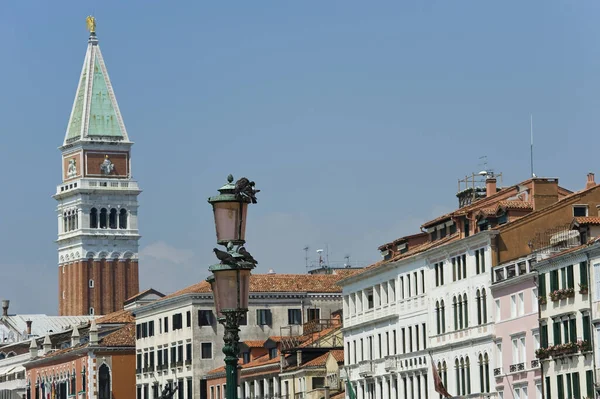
230 281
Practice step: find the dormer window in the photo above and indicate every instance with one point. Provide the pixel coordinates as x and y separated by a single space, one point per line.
580 210
272 353
443 232
434 235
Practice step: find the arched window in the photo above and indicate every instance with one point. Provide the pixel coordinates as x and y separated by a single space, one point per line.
91 283
468 379
65 225
460 312
10 354
93 218
103 218
463 383
478 299
457 375
438 318
455 313
483 306
445 374
104 382
113 218
466 310
92 311
486 369
123 218
443 308
481 374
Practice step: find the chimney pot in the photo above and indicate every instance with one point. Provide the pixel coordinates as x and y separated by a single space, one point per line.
490 186
5 304
28 322
591 181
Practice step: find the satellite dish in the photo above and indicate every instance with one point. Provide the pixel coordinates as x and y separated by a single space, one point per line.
483 173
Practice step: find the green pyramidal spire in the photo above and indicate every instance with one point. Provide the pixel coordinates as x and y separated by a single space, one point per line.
95 115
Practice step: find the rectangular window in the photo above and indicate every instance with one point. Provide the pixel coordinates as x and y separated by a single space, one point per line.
166 324
314 314
553 280
180 355
583 274
144 330
410 342
188 319
572 330
408 289
394 343
589 383
206 349
441 273
387 343
576 386
580 210
498 354
560 387
482 259
151 328
556 332
263 317
513 306
138 331
173 356
159 353
570 277
534 300
294 316
542 285
424 336
422 281
586 327
177 321
205 317
498 314
403 340
548 388
417 336
189 388
544 335
379 346
522 349
597 281
188 353
563 277
521 310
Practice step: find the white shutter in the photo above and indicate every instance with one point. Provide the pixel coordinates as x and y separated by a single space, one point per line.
597 281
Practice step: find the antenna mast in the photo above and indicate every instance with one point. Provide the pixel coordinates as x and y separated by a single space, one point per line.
531 146
306 256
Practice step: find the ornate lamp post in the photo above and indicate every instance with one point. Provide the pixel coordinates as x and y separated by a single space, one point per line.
230 281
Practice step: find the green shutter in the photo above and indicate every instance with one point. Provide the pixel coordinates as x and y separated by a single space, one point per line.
569 387
570 277
548 388
589 383
544 336
556 332
553 280
542 287
572 330
583 277
586 328
560 388
576 387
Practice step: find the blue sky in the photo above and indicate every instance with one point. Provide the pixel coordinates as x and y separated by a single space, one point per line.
354 118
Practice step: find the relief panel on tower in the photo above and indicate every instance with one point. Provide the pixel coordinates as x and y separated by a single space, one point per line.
107 164
72 166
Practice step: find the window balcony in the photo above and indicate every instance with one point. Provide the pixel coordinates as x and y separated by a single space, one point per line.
535 363
390 363
497 371
517 367
365 368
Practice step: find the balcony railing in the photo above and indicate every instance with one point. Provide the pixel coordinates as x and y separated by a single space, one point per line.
365 368
517 367
521 367
390 363
497 371
535 363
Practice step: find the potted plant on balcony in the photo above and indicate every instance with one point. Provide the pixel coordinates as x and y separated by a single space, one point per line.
583 289
584 346
555 295
542 300
569 293
542 353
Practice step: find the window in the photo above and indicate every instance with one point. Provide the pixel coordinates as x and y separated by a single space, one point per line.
272 353
513 306
498 354
188 319
318 382
177 321
91 283
498 314
151 328
597 281
534 300
205 317
112 222
206 349
589 383
580 210
553 280
422 281
548 388
370 302
92 311
166 324
583 279
315 314
180 355
123 219
424 336
521 309
263 317
93 218
294 316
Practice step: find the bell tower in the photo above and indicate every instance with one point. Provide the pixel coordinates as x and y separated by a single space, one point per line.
97 198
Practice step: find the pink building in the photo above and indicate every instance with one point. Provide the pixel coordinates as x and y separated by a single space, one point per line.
517 371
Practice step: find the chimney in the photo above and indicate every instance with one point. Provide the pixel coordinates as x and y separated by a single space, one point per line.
28 323
75 337
544 192
490 186
47 344
591 182
5 303
33 349
93 333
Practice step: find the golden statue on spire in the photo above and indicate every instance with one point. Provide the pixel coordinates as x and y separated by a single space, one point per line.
91 24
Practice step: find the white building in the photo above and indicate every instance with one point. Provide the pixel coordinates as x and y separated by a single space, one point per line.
179 339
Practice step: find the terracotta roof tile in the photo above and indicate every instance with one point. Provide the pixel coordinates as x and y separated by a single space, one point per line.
588 220
339 395
281 283
515 204
338 355
120 316
254 344
124 336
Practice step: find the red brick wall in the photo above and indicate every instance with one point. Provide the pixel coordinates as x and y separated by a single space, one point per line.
114 282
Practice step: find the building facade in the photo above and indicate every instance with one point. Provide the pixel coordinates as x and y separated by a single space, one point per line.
97 200
179 339
517 371
566 344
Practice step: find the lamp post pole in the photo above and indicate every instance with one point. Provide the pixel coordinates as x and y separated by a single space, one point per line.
230 281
